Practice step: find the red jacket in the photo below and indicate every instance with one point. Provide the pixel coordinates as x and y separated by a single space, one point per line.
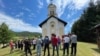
54 41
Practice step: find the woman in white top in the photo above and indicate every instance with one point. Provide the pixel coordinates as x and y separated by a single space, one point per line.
34 44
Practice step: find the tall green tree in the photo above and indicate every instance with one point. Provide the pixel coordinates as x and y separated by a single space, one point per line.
5 34
88 19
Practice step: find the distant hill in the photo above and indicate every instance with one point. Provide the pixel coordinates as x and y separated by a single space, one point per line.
29 34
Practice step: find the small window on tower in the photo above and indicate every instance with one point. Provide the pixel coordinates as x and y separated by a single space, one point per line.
52 12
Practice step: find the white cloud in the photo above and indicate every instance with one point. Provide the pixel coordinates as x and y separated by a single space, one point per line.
78 4
70 14
26 9
17 24
2 4
95 2
40 4
71 4
20 14
31 15
61 5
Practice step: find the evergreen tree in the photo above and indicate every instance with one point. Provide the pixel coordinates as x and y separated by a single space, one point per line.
5 34
88 19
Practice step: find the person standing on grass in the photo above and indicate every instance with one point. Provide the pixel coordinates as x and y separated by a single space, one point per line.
11 46
21 44
66 45
69 35
54 42
73 44
62 40
59 42
46 45
16 44
38 46
34 43
27 47
42 41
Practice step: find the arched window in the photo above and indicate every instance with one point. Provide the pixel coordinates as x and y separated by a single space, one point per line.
52 24
51 12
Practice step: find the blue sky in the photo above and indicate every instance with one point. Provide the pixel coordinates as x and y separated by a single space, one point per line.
26 15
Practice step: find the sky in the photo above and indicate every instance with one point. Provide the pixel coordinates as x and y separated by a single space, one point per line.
26 15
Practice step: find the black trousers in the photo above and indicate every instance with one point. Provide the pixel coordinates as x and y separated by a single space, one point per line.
46 46
74 48
66 46
21 46
55 47
27 50
16 46
34 46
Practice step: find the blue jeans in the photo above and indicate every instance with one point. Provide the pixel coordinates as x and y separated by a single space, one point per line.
38 50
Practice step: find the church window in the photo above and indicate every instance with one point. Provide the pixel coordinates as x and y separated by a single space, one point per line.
52 25
52 12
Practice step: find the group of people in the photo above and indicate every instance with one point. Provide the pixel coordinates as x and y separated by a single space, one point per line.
21 45
56 44
40 44
67 40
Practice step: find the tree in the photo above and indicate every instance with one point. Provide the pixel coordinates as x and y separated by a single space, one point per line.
5 34
88 19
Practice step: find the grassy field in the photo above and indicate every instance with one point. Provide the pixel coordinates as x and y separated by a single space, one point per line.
83 49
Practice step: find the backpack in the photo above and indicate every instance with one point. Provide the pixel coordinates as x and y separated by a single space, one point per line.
46 41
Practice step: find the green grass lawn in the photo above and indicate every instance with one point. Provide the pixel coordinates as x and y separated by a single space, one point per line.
83 49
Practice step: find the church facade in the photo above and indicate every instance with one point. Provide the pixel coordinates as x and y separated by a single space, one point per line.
53 24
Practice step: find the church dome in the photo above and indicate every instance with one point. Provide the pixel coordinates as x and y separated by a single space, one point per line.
52 5
52 10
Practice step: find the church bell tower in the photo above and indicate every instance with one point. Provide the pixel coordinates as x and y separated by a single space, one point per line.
52 24
52 9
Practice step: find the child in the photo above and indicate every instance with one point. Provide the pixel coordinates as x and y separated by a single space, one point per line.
11 46
38 45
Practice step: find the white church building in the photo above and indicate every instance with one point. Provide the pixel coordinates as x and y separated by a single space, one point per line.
53 24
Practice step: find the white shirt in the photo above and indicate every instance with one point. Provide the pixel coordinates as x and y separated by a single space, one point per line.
74 39
34 41
66 39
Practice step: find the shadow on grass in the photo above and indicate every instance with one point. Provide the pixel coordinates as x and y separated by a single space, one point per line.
96 49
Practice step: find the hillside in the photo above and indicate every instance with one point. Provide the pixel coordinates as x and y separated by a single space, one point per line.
29 34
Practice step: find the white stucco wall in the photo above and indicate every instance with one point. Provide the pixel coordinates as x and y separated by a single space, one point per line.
61 28
58 25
